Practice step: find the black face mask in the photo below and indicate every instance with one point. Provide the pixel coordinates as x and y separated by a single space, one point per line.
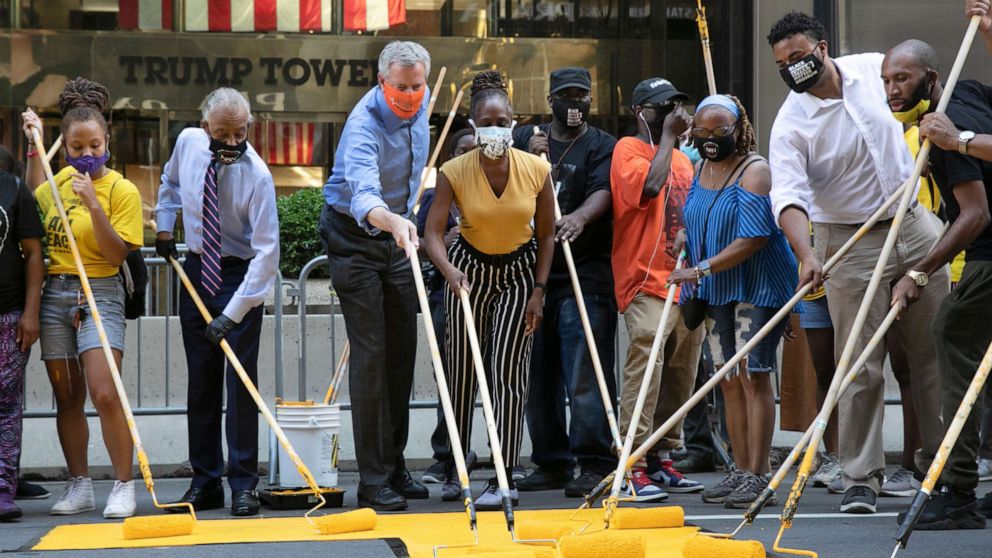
716 149
803 74
227 154
570 113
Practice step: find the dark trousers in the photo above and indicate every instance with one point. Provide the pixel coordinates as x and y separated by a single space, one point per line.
439 439
562 366
208 374
374 281
961 337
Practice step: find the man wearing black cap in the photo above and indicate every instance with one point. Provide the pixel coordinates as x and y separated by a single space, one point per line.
561 364
650 181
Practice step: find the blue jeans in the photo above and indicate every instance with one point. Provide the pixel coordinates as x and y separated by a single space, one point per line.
560 367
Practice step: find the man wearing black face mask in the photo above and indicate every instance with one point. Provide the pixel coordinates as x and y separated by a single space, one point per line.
580 156
228 201
836 155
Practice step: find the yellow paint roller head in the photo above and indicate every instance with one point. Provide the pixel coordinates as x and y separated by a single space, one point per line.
527 531
648 518
159 526
701 546
347 522
603 543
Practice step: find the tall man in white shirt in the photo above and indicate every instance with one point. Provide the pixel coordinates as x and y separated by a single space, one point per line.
836 154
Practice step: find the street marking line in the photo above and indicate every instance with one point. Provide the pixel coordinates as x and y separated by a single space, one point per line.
798 516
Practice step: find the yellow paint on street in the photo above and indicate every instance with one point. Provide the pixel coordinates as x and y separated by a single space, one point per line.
420 533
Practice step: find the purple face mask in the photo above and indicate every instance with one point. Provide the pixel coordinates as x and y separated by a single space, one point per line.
87 163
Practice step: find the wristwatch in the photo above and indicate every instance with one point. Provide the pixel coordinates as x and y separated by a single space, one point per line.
703 269
921 279
963 139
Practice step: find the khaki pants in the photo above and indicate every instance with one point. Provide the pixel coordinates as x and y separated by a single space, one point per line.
862 407
674 374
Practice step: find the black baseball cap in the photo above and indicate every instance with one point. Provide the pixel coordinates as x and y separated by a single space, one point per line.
656 90
563 78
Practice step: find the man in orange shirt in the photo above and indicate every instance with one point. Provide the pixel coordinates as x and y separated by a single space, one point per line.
650 178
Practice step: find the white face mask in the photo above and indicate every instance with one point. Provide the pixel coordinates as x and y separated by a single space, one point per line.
493 141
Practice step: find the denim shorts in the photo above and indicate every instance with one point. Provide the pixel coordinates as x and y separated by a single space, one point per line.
730 326
62 298
816 314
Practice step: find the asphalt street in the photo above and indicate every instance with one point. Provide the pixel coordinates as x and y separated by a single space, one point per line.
818 527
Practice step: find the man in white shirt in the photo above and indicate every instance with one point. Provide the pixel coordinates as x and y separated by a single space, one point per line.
836 155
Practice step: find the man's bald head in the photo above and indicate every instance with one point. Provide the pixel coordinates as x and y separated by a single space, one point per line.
918 52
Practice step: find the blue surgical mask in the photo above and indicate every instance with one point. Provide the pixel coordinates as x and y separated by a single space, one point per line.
691 152
87 163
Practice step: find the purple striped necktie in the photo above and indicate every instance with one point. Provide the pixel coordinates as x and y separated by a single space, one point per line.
210 256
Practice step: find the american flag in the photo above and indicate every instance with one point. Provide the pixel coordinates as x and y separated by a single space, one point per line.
284 143
373 15
230 15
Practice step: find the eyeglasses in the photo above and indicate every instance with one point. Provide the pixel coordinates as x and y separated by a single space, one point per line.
718 132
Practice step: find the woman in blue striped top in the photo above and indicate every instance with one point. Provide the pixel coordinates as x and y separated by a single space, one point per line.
745 271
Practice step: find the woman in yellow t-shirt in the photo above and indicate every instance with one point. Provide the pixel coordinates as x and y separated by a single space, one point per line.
104 211
502 257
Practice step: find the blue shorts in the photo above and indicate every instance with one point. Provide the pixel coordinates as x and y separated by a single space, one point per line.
730 326
815 315
62 298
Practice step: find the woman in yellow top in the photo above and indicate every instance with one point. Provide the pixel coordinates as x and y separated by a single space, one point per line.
503 195
104 211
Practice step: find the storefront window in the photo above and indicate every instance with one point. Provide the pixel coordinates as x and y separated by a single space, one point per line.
560 18
89 15
296 152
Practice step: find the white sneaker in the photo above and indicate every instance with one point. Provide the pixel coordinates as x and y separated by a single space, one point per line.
120 503
984 470
492 500
77 498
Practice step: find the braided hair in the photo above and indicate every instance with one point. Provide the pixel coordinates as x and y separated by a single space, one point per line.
83 100
746 140
488 85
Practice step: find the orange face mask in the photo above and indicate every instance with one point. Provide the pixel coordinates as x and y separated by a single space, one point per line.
404 104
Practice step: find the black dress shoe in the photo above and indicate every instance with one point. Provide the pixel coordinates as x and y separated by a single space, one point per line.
404 484
380 498
207 498
545 479
244 503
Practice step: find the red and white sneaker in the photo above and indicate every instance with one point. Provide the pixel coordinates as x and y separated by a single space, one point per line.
645 490
663 472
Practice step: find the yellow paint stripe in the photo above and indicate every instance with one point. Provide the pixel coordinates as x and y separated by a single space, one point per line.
446 528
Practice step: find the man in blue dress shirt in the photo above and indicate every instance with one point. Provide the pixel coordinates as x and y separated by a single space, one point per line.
367 231
228 202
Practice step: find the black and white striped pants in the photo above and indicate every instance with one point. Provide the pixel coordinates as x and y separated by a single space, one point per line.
500 288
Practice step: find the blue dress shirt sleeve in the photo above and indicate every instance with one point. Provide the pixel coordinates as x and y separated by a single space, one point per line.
261 274
362 176
169 198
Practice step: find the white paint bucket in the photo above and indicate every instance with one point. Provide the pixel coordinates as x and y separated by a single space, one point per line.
313 430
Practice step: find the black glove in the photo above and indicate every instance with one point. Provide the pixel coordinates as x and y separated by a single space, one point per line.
219 328
166 248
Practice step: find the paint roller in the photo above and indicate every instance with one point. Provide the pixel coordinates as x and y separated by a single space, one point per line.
603 544
134 527
702 546
802 477
360 520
